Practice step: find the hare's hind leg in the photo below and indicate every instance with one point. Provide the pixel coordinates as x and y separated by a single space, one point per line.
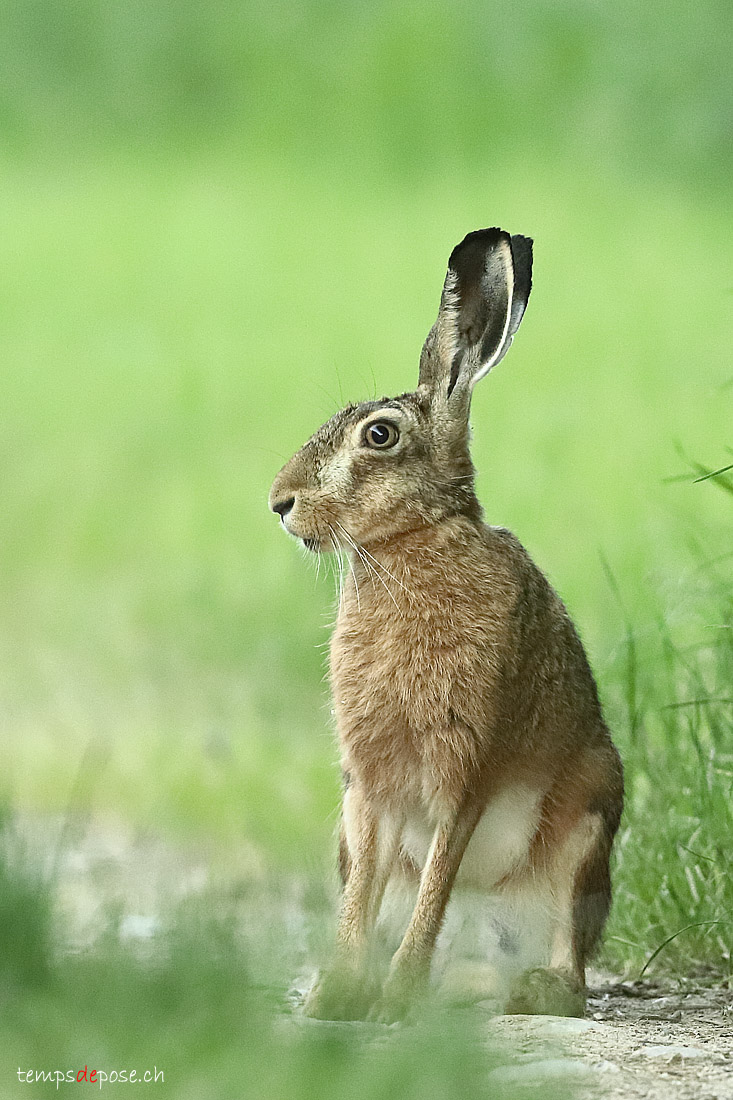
577 886
591 899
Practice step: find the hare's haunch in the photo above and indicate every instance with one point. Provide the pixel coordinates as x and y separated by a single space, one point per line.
471 735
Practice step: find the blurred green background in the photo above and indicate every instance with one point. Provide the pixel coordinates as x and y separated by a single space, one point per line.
218 222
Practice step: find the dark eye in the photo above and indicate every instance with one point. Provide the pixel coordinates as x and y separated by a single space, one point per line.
381 434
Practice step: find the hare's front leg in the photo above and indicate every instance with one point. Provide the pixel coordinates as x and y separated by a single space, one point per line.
346 990
410 967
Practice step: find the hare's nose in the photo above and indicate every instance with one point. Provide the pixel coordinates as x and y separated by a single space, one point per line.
282 507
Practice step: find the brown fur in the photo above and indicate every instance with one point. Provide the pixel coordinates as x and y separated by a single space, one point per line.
458 678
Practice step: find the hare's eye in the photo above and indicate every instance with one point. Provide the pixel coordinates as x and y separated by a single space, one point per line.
381 434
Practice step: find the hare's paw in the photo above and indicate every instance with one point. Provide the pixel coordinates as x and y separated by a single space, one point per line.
400 995
390 1008
340 995
546 992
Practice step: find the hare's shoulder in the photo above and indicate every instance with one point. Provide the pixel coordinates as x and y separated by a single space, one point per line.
502 543
508 556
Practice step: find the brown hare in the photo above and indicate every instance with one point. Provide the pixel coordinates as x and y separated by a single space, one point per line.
472 740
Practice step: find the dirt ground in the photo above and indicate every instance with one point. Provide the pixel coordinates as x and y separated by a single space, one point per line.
652 1039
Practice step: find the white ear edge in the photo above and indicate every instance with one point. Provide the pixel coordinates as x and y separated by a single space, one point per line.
506 339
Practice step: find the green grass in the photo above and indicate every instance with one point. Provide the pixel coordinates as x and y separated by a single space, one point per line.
218 224
673 867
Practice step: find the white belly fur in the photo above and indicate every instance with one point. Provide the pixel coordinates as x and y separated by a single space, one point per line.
488 938
500 843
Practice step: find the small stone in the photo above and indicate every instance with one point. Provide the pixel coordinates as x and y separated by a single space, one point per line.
543 1069
671 1052
568 1025
605 1066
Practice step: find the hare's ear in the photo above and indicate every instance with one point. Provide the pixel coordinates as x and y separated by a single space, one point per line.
484 297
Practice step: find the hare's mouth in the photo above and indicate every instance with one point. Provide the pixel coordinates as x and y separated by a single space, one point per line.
311 544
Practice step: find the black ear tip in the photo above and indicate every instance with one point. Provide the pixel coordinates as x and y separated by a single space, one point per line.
522 261
485 240
485 236
478 243
522 246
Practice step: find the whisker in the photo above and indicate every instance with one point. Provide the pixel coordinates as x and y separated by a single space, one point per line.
356 586
331 564
386 570
369 568
340 564
353 575
355 546
361 551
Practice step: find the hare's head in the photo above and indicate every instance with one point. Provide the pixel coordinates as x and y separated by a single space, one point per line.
385 467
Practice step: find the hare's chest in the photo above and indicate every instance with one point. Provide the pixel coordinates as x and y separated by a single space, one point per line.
387 668
395 702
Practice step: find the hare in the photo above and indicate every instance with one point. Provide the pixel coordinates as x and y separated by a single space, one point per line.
472 740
